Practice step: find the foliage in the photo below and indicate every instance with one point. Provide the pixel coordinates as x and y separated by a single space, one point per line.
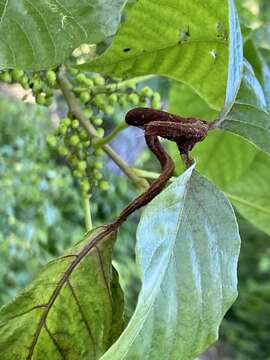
38 203
187 239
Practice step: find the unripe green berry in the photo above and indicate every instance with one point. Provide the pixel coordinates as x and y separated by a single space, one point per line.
99 101
48 101
83 134
88 112
81 78
156 104
17 74
98 165
82 165
99 80
104 185
156 96
89 83
6 77
66 121
134 99
36 86
108 110
100 132
78 174
113 99
52 141
51 77
85 186
75 124
147 91
41 99
98 152
62 129
74 140
24 81
84 97
97 121
97 175
63 151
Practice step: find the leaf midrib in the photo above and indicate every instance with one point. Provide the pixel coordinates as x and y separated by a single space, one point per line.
63 280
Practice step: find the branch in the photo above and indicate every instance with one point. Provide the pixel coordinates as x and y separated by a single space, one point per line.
76 111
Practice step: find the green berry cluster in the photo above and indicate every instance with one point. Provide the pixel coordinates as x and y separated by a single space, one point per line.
71 142
104 94
41 83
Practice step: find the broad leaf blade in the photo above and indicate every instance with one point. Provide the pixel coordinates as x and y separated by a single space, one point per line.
73 310
42 34
188 246
184 40
250 117
241 171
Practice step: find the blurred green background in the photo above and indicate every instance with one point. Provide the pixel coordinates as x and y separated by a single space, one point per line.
41 215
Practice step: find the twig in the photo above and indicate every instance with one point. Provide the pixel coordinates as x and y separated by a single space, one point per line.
115 132
87 212
76 111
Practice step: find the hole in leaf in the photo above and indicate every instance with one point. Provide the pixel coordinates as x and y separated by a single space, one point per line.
126 49
184 34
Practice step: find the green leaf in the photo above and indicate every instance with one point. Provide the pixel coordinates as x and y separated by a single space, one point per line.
185 102
183 40
241 171
249 116
42 34
187 249
235 65
73 310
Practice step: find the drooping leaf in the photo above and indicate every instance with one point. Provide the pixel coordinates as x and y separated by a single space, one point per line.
188 246
184 40
73 310
241 171
249 116
42 34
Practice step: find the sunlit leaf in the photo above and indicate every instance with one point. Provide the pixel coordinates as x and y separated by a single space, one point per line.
184 40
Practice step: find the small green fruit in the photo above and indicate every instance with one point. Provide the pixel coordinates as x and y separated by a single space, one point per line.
74 140
17 74
104 185
99 80
82 165
75 124
51 77
84 97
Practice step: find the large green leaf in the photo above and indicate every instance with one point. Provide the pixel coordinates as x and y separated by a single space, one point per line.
73 310
42 34
188 246
241 171
249 116
185 40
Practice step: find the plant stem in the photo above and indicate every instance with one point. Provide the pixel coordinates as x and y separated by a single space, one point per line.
87 212
115 132
148 174
76 111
